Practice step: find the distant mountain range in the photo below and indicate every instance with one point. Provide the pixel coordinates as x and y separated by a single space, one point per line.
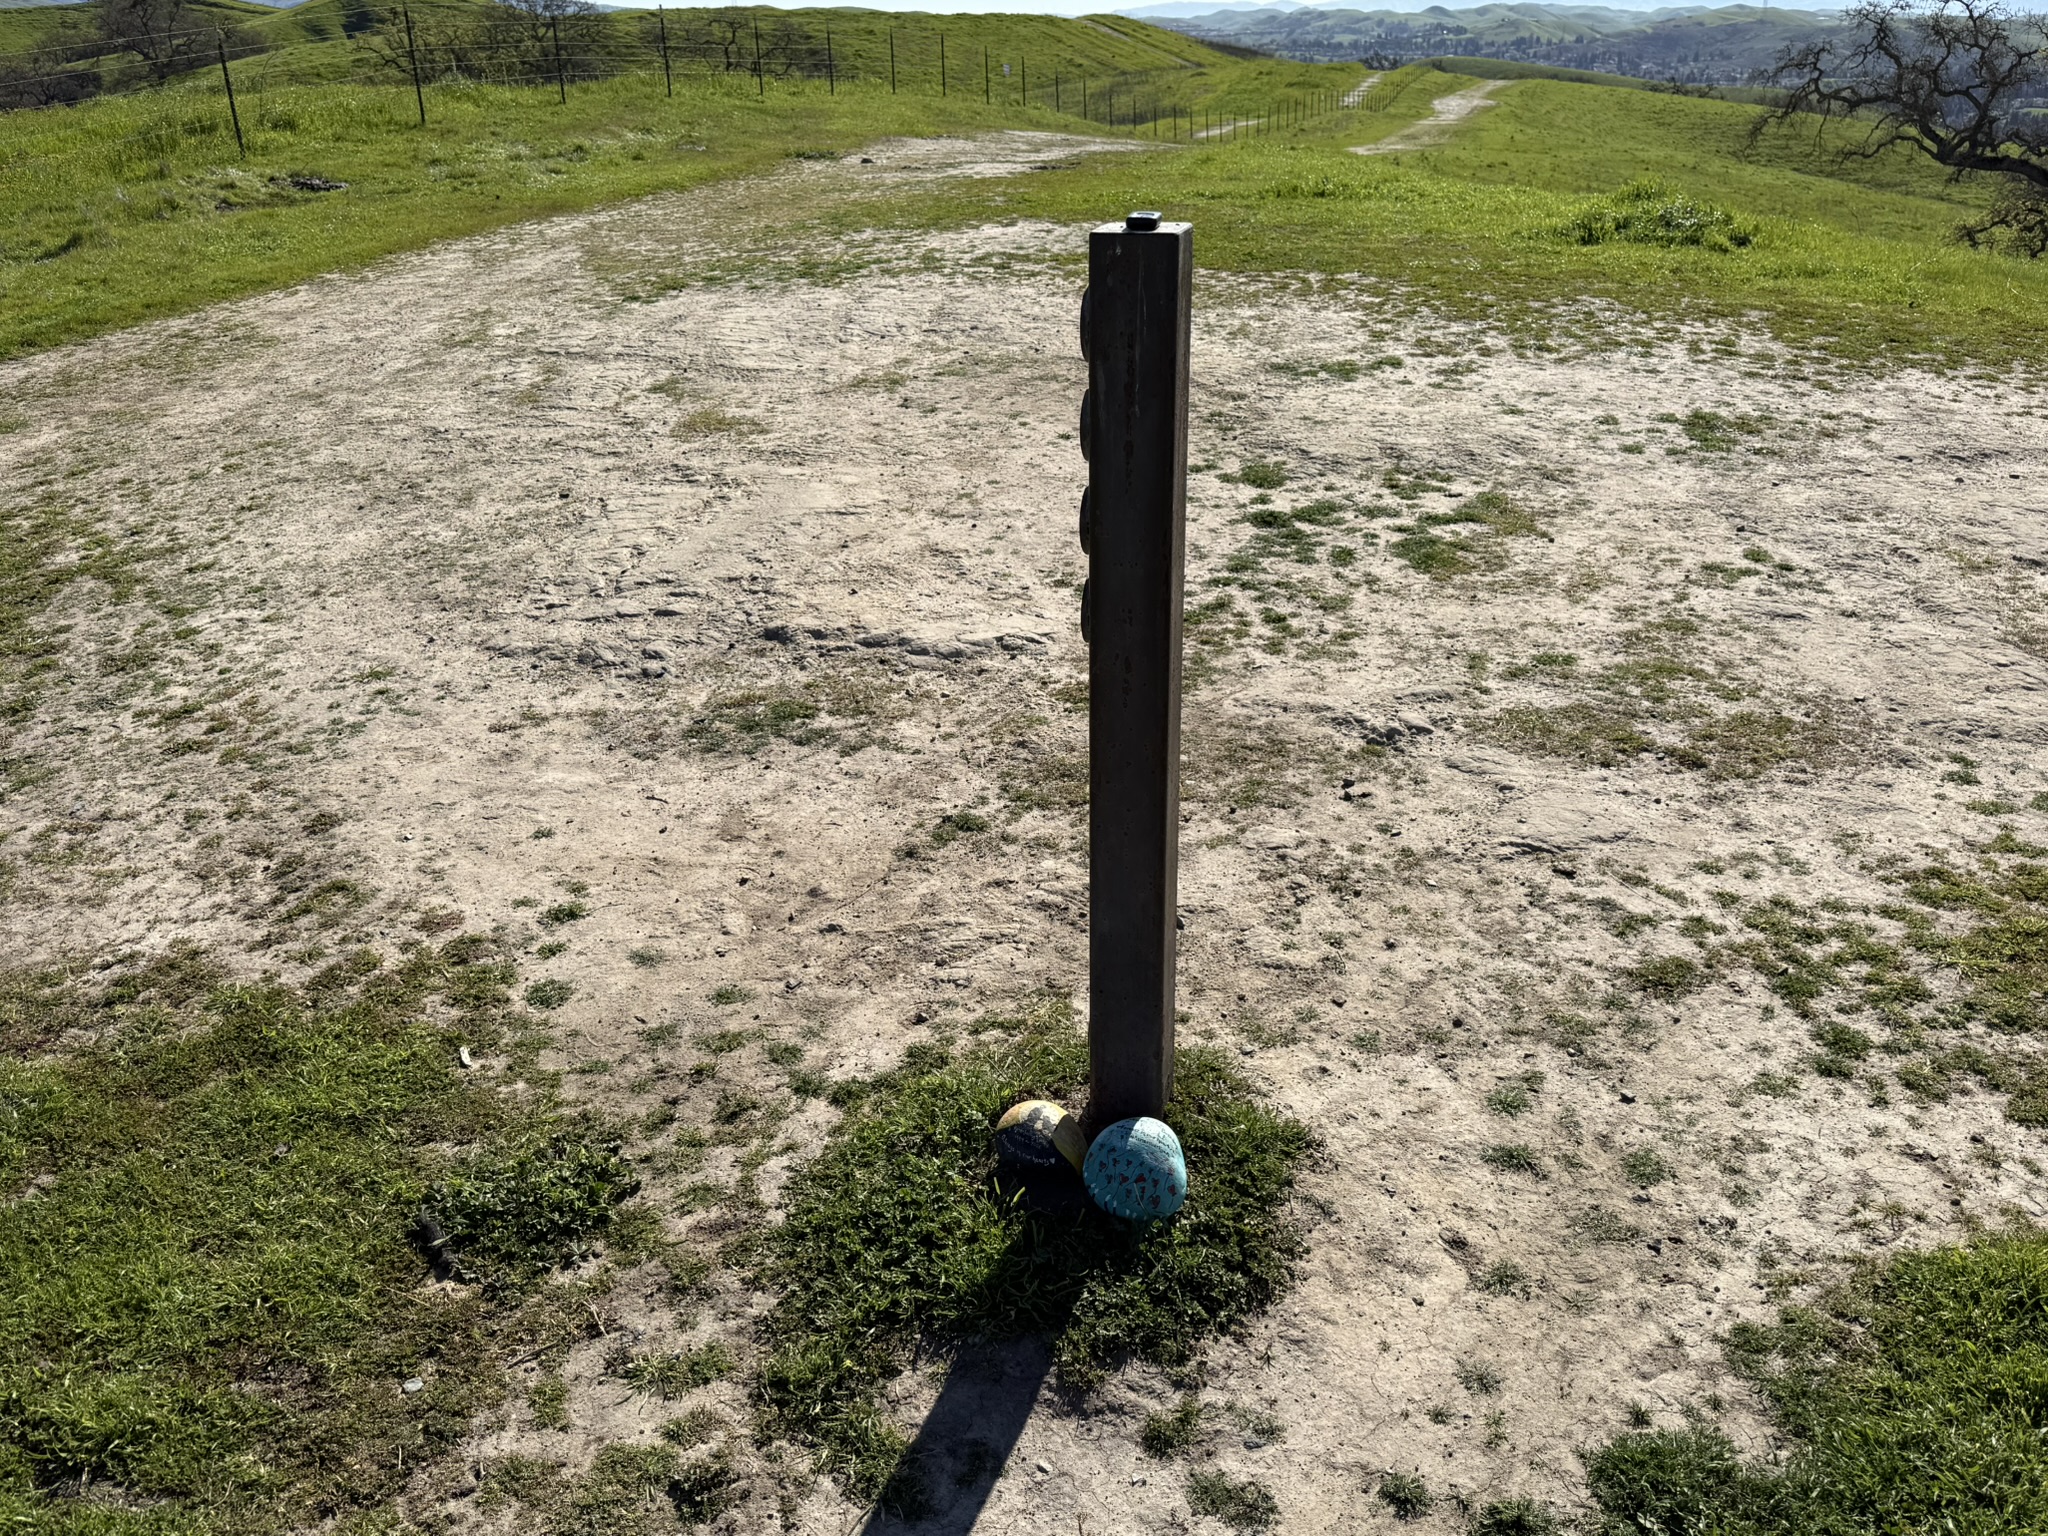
1723 45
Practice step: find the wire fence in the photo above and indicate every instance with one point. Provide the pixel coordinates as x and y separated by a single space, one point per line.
560 48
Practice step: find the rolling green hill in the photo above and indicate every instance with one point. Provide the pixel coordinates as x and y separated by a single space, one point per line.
140 203
1724 45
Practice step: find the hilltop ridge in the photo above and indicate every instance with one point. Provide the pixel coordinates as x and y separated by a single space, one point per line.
1721 45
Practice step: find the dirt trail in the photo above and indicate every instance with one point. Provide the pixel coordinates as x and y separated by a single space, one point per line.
1446 112
1356 94
542 558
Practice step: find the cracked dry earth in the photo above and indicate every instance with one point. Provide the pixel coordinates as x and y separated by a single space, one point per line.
483 576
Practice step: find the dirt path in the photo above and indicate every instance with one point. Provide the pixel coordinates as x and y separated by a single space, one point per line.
1435 128
544 562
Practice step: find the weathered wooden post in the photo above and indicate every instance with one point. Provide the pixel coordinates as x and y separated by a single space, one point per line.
1134 434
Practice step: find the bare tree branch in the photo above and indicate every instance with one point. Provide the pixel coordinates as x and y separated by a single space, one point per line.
1964 81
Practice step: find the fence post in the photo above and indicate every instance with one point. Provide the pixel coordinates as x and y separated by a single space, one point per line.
1023 81
220 47
1056 90
892 61
985 98
831 69
418 94
1134 432
942 64
561 80
760 79
667 79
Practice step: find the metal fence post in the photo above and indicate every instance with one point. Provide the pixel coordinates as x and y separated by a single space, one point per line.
412 53
831 70
892 61
942 64
1134 426
234 116
561 80
667 79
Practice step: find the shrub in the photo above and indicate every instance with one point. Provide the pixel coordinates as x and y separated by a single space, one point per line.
1650 212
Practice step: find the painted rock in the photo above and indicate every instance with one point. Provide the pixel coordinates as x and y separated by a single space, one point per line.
1039 1134
1135 1169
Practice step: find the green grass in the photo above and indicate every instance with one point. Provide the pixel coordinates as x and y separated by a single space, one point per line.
1853 259
1912 1398
214 1276
1242 1504
132 207
895 1233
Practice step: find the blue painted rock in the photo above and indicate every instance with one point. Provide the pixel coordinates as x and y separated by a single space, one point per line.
1038 1134
1135 1169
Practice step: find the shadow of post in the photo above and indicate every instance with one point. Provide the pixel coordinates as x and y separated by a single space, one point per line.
949 1472
967 1439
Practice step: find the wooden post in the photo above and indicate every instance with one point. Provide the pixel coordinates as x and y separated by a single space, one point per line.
561 80
892 61
760 79
220 47
985 97
419 95
831 70
1134 428
942 64
667 79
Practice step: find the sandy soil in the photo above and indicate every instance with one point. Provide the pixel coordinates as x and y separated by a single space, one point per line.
1445 113
511 538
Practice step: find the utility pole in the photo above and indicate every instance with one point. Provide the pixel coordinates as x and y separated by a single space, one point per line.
1134 432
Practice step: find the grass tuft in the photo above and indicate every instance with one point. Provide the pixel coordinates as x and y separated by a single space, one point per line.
1406 1495
1910 1397
895 1233
1175 1432
1512 1157
1246 1505
510 1213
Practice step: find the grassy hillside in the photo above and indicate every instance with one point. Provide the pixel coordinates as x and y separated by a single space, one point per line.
1514 218
138 205
135 207
1724 44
